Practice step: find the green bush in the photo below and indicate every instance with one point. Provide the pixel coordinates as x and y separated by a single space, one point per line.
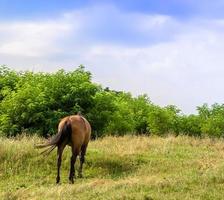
39 100
212 120
35 102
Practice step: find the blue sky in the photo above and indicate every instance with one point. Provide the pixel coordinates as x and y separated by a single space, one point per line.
169 49
25 9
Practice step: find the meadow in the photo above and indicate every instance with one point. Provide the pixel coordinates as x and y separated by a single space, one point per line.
128 167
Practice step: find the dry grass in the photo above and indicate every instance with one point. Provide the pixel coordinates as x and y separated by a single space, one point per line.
126 167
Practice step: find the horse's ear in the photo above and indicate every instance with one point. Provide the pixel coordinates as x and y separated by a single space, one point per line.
79 113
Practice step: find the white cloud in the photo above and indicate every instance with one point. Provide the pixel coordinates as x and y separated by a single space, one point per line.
174 62
186 72
31 38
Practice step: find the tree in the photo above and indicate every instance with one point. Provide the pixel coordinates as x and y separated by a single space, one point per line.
141 106
39 100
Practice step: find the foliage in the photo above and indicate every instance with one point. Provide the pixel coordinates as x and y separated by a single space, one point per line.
122 121
141 107
35 102
163 120
39 100
102 112
190 125
212 119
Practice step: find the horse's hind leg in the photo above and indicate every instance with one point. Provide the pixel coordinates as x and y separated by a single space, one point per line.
82 159
59 153
72 163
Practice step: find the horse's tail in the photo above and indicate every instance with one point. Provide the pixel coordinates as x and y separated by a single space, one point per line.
64 132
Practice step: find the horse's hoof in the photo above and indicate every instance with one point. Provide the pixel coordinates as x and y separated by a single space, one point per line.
57 181
71 181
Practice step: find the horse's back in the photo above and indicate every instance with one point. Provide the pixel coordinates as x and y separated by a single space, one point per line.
81 129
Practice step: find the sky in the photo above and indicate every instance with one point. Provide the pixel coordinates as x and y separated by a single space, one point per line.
171 50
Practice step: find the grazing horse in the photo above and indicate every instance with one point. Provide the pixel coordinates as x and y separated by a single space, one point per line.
74 131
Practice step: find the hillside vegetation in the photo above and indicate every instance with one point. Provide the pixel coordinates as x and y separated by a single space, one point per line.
127 167
35 102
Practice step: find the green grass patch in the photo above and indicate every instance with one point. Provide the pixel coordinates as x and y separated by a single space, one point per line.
126 167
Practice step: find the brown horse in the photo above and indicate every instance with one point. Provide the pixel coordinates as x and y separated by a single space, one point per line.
74 131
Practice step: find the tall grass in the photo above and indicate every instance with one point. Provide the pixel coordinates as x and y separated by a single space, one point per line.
128 167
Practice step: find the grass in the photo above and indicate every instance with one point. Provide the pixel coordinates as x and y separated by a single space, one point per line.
126 167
